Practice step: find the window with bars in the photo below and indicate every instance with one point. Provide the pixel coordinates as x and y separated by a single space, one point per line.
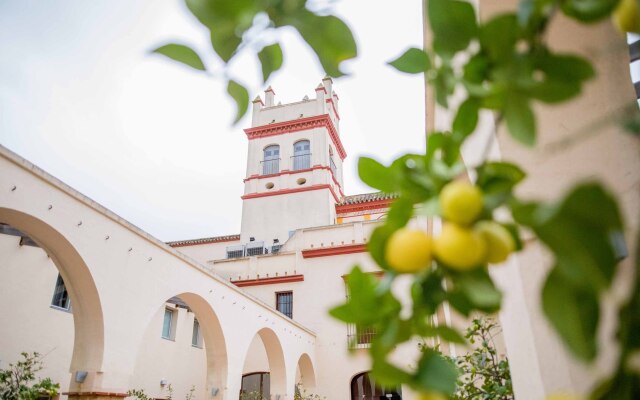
284 303
60 295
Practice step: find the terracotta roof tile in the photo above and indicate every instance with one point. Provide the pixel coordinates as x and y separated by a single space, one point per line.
366 197
213 239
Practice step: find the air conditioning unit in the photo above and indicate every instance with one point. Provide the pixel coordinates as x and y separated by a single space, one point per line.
236 251
255 248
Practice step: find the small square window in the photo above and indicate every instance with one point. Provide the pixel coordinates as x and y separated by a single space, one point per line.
60 295
284 303
168 325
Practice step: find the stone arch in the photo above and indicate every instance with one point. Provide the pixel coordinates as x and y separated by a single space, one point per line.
276 360
307 374
88 321
215 349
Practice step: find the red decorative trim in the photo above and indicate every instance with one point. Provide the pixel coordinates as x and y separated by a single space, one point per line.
302 124
288 191
269 281
322 88
334 251
368 206
287 172
95 394
335 110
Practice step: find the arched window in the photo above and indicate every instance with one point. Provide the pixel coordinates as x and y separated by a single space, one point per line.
254 384
363 387
301 155
271 160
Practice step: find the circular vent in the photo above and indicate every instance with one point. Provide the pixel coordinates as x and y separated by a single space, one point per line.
301 181
269 185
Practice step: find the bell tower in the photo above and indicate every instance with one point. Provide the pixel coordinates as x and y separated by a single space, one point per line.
294 166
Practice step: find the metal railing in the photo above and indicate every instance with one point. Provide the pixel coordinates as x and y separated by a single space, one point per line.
270 166
359 338
334 169
301 161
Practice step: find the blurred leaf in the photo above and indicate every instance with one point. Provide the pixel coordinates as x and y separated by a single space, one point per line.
520 119
241 96
329 37
444 84
400 212
445 145
466 118
412 61
479 289
388 375
588 10
183 54
573 312
376 175
435 373
447 334
563 76
515 234
226 20
271 60
453 24
499 35
497 180
378 242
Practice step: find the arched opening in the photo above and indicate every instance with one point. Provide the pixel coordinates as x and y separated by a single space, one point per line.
183 350
265 357
255 386
305 374
364 387
74 346
271 160
301 155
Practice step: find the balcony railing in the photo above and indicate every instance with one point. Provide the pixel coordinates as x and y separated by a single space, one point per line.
334 169
270 166
301 161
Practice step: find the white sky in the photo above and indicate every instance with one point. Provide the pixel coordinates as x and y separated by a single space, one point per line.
151 140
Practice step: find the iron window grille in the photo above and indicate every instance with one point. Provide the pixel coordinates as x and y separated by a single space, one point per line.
284 303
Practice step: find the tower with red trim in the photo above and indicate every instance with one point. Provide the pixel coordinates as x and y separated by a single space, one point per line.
294 166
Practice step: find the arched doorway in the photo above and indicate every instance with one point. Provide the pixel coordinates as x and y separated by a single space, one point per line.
69 291
363 387
255 386
183 350
265 360
305 374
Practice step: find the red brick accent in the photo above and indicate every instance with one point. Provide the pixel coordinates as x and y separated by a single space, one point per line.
334 251
95 394
269 281
335 110
296 125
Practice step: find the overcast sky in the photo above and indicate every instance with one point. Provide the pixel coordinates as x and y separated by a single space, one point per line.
151 140
81 97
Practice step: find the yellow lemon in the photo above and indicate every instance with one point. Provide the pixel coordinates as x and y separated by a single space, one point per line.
408 250
459 248
626 16
499 241
433 396
461 202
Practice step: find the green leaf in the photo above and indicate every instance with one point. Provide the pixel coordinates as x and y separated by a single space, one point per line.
445 145
479 289
400 212
329 37
444 84
241 96
378 242
447 334
226 21
497 180
453 24
520 119
387 374
564 75
466 118
412 61
499 35
573 312
588 10
376 175
271 59
181 53
435 373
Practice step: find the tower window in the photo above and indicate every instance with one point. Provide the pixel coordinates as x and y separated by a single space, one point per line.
301 155
60 295
271 160
284 303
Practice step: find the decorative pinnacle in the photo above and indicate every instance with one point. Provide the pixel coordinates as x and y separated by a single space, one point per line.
327 78
269 89
257 100
320 86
